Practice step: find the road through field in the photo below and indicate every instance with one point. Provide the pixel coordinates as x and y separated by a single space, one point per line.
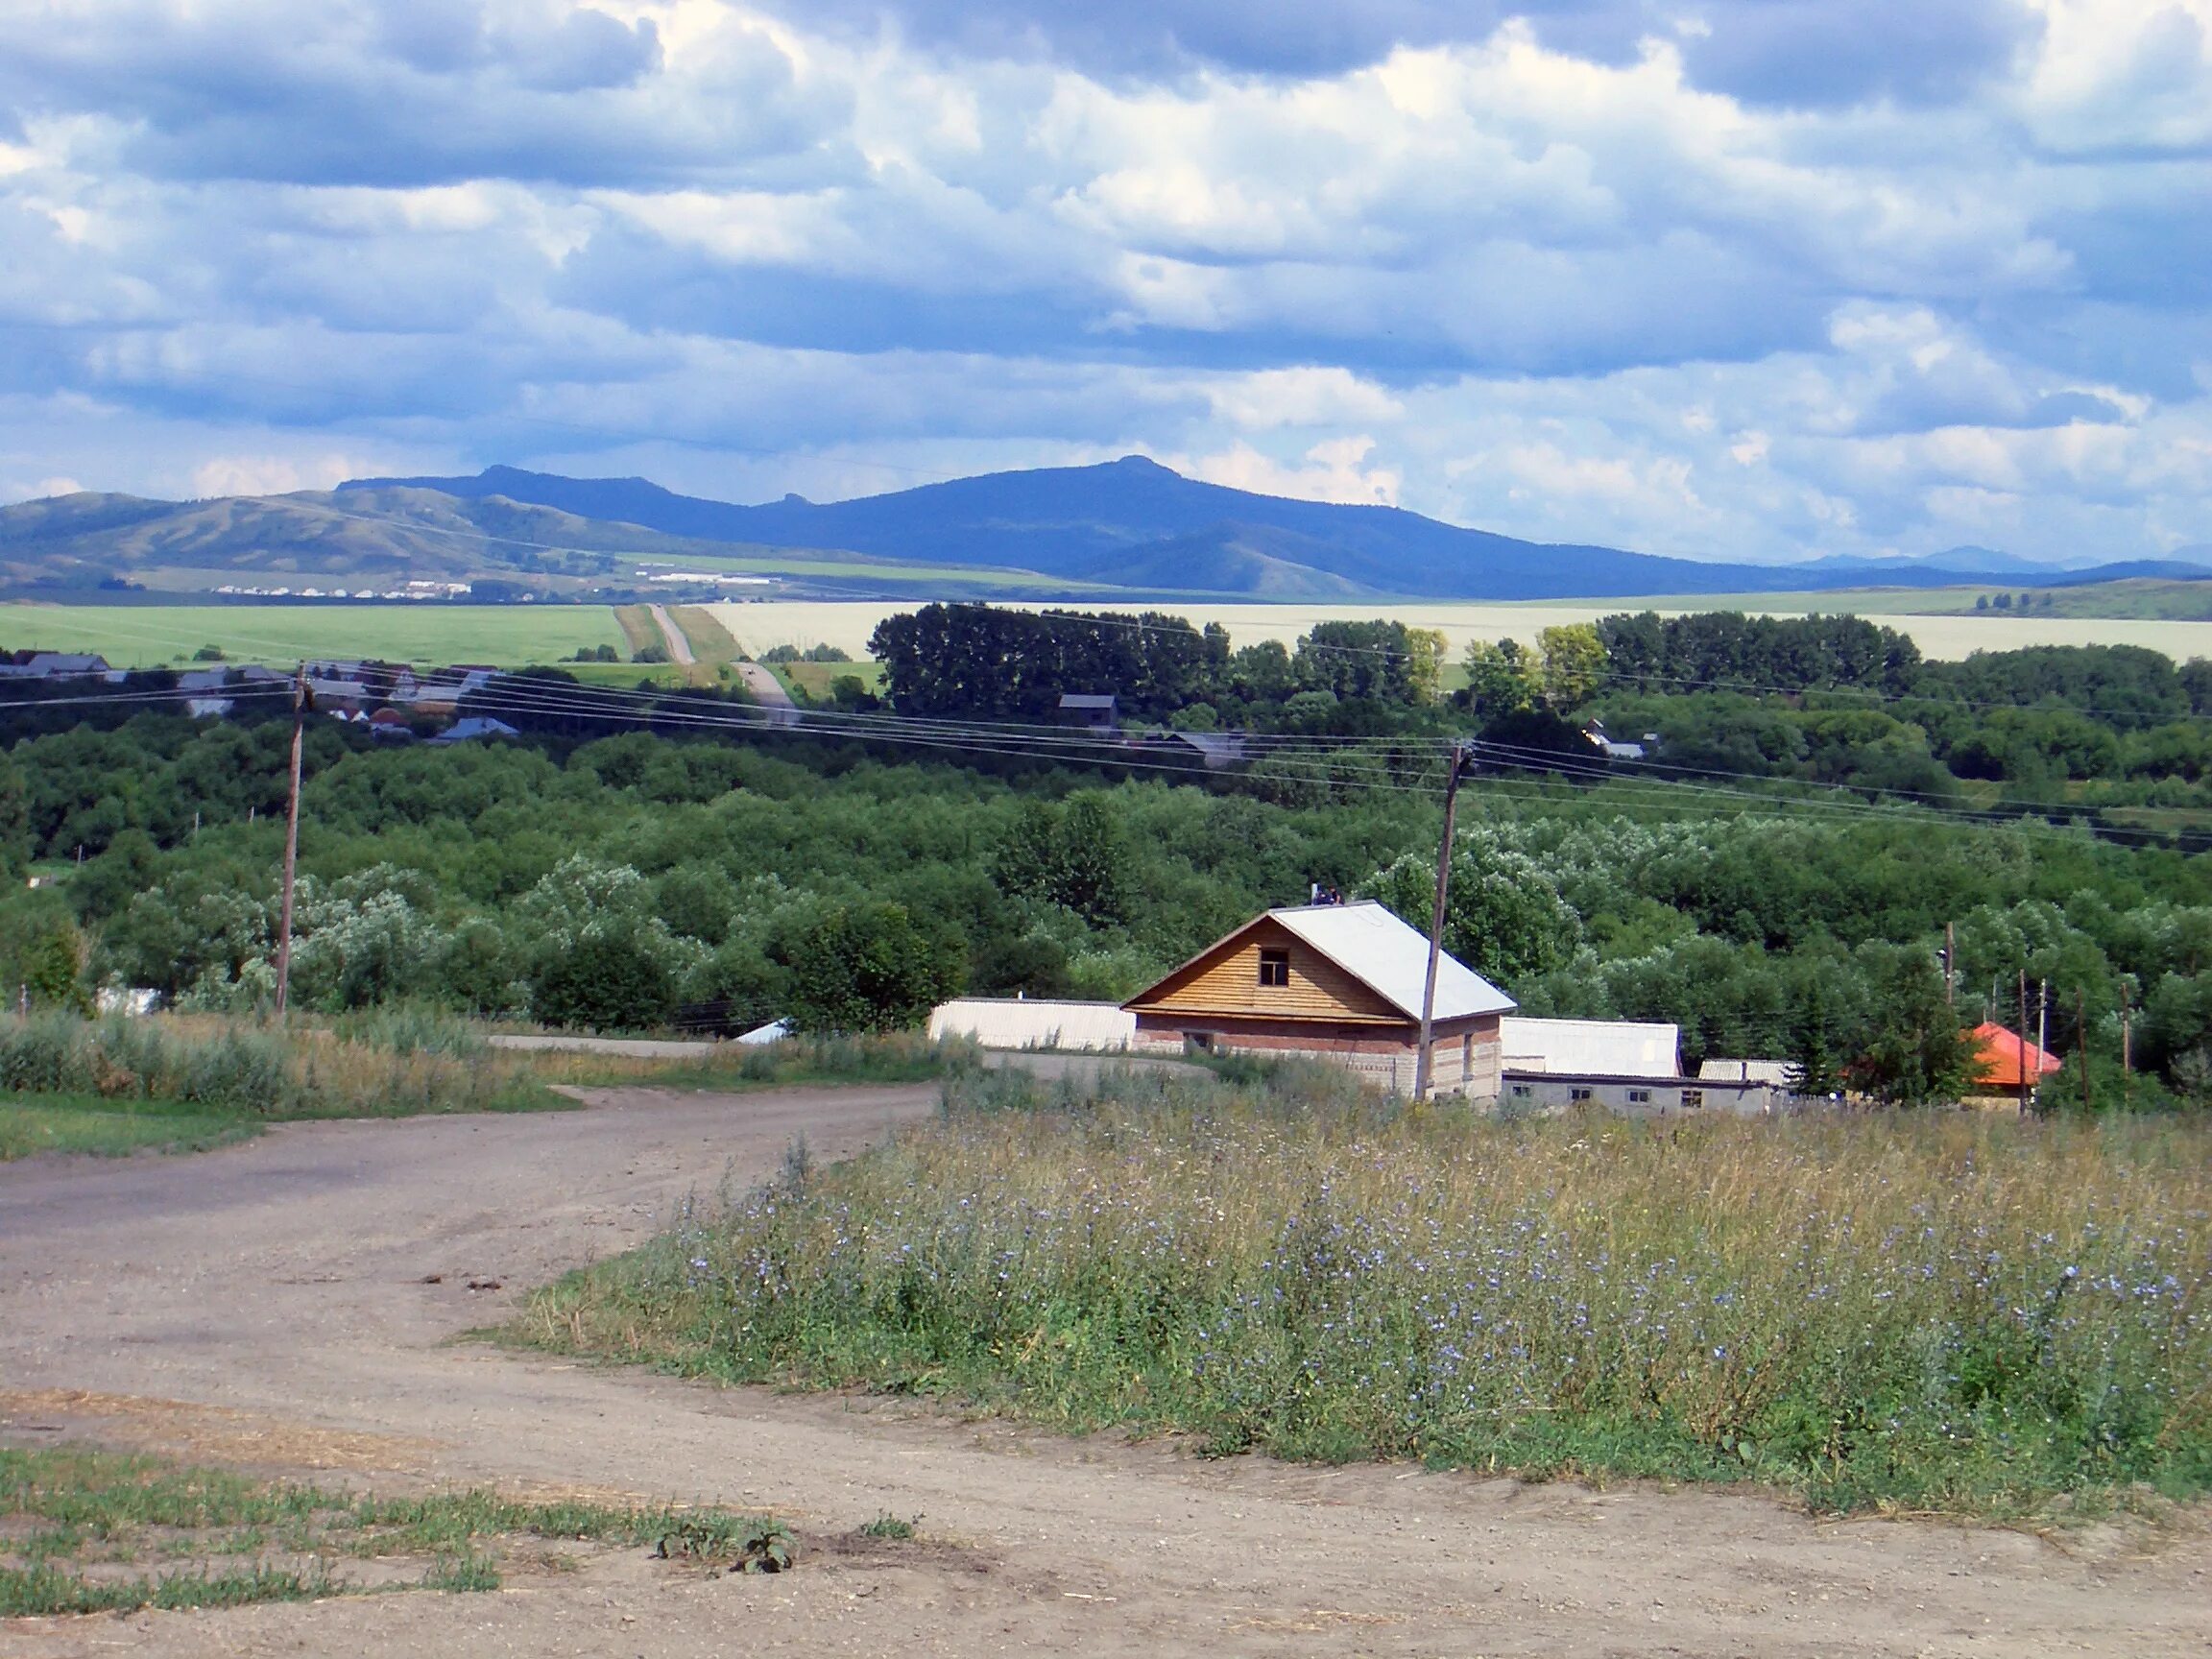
302 1301
679 647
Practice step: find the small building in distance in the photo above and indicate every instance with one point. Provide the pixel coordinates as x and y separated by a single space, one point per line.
2001 1060
1100 712
477 729
1337 982
1630 1067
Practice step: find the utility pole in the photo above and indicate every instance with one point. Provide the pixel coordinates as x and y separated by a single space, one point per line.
2127 1058
2081 1039
2020 1043
291 841
1424 1066
2042 1033
1950 967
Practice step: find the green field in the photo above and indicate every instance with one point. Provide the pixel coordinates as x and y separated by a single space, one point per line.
149 635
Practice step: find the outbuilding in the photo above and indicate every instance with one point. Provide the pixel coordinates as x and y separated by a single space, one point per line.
1338 982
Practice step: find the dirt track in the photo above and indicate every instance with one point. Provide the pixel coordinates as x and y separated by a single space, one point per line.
267 1305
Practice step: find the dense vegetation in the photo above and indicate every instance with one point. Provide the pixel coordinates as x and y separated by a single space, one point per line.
618 881
1930 1313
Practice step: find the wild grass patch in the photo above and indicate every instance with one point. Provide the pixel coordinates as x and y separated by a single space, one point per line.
1935 1313
83 1530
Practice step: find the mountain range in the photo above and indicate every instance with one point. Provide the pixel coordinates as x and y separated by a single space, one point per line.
1134 524
1129 526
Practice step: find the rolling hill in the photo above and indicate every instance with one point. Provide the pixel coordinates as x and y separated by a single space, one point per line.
1138 525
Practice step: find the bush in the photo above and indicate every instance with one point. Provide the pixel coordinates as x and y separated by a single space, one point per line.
603 982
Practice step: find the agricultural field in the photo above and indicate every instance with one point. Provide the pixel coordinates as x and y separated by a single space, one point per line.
151 635
847 623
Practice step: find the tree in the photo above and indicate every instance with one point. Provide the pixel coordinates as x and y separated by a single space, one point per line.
1812 1049
14 817
869 968
1504 917
1912 1051
605 981
1498 678
53 968
1573 664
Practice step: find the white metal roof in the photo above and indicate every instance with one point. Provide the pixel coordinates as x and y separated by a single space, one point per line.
1368 942
1775 1071
1026 1023
1589 1048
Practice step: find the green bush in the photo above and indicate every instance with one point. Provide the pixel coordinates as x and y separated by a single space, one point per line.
604 982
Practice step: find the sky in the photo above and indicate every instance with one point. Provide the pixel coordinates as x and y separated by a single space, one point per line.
1725 279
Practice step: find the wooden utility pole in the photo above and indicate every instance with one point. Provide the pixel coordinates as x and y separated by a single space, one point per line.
2082 1041
2020 1043
291 842
1424 1066
2126 1059
1950 966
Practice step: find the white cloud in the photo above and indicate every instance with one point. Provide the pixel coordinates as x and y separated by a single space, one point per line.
1698 294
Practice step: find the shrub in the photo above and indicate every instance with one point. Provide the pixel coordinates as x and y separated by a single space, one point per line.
603 982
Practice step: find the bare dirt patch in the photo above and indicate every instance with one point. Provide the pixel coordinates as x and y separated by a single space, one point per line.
298 1298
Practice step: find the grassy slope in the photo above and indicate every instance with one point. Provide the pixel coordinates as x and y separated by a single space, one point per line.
1906 1312
147 636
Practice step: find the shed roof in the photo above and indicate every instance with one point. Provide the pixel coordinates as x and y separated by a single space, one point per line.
2000 1057
1371 944
1087 700
1775 1071
1605 1047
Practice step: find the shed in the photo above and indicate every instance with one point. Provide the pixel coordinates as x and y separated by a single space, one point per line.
475 729
1098 710
2001 1060
1339 982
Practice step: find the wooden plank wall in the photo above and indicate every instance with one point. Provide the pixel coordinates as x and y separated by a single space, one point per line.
1229 984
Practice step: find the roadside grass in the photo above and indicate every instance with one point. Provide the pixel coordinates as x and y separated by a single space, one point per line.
710 641
640 632
892 1057
189 1083
84 1531
90 1123
1931 1313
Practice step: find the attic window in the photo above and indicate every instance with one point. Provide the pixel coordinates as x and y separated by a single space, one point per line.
1274 967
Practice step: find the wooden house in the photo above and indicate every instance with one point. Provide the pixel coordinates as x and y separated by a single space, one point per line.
1340 982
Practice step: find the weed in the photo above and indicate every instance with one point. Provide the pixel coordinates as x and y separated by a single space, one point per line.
1936 1312
462 1573
889 1525
745 1544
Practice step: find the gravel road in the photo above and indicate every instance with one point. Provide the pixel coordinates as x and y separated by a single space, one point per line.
301 1303
679 643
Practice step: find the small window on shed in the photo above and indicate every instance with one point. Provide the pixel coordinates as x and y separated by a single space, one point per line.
1693 1096
1573 1095
1522 1091
1274 967
1639 1096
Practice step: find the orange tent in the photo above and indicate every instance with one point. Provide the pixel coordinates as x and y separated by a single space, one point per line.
1999 1059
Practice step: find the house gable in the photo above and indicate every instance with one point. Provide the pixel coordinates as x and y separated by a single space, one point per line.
1227 981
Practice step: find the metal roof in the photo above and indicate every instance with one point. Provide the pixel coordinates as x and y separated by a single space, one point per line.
1368 942
1605 1048
1773 1072
1087 700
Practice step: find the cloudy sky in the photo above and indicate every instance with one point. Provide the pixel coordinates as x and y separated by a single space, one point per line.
1747 278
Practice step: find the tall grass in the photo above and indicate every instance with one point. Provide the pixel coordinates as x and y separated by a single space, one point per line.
1942 1312
380 1065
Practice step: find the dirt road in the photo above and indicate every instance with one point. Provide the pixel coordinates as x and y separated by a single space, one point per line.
768 691
293 1303
678 644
